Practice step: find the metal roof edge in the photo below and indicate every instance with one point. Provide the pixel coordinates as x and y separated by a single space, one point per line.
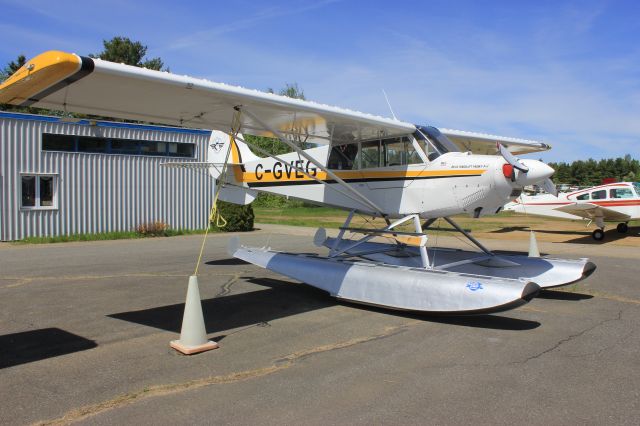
100 123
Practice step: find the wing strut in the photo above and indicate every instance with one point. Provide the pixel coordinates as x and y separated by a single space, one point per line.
466 234
417 238
313 161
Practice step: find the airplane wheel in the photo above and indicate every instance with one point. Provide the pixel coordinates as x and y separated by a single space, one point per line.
598 235
622 228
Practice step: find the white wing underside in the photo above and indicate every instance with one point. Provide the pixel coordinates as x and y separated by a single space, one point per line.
480 143
123 91
593 211
132 93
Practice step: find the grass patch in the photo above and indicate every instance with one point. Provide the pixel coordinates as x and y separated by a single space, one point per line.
334 218
103 236
299 211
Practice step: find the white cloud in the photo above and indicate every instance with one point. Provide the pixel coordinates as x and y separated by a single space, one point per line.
248 22
541 80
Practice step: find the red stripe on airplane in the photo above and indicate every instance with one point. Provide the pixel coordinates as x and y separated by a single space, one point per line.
597 203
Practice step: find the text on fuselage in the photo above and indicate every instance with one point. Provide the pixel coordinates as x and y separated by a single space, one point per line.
286 170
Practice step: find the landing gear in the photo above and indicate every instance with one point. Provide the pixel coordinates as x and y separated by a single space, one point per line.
622 228
598 234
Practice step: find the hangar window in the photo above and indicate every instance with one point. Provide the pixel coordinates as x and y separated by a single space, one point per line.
100 145
38 191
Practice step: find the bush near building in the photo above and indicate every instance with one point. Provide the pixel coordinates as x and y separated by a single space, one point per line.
239 218
153 229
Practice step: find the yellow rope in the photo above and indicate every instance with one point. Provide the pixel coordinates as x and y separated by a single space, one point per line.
214 213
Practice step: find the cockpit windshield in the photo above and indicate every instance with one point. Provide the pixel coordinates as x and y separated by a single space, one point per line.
433 142
636 186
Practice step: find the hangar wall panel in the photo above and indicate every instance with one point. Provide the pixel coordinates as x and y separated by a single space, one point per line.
99 192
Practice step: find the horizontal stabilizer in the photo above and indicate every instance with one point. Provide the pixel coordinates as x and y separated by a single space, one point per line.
237 195
195 165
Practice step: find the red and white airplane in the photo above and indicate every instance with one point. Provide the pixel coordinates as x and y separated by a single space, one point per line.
614 202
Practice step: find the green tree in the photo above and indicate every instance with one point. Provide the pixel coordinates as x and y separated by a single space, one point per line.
12 67
290 91
590 172
124 50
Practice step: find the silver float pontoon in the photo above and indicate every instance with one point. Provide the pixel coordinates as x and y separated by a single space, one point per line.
410 276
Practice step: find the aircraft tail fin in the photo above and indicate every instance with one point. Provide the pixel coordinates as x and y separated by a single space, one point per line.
218 152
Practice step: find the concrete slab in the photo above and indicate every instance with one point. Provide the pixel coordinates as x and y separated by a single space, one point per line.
85 331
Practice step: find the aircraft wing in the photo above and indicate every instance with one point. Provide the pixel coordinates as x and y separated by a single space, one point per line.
68 82
480 143
593 211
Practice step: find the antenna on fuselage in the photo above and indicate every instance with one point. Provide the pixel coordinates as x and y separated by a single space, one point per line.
389 104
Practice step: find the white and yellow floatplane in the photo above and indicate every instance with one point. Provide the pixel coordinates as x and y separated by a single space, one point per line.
361 163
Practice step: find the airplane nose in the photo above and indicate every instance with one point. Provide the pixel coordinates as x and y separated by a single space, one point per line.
538 172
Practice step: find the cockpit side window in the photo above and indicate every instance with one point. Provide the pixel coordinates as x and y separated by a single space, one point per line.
636 186
377 153
583 197
343 157
369 155
620 193
399 152
601 194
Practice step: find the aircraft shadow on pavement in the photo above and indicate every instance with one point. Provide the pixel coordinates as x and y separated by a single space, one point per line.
582 237
35 345
562 295
279 300
227 262
283 299
609 235
494 322
507 229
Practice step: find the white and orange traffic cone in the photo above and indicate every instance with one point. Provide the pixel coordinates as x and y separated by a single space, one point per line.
533 245
193 335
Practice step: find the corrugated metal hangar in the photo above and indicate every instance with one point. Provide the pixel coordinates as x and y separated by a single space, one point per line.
61 177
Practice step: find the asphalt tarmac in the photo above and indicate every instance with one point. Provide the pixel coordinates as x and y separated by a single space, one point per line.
85 331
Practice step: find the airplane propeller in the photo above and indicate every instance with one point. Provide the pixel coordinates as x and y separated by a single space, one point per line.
550 187
511 159
533 171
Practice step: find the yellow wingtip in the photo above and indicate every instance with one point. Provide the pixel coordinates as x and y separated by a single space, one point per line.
38 74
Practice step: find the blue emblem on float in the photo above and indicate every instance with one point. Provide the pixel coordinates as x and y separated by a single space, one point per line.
474 286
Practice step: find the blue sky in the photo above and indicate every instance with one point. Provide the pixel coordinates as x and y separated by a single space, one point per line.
567 73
